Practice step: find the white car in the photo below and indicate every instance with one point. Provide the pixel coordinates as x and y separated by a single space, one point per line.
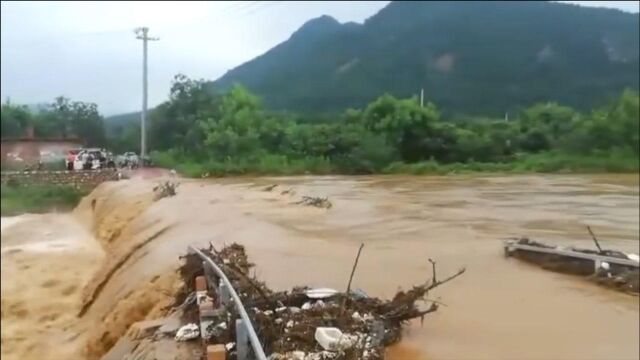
81 161
131 159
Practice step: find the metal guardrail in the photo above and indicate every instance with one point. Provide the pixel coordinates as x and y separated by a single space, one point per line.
251 333
595 257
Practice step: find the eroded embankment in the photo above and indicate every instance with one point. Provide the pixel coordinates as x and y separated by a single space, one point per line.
116 214
55 268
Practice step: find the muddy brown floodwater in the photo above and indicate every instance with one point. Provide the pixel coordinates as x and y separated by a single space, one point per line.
499 309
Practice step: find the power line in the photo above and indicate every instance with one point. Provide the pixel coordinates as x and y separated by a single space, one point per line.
247 4
241 4
261 7
235 8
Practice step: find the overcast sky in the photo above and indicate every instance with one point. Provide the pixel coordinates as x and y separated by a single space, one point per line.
87 50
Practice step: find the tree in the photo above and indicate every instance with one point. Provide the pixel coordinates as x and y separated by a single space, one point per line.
126 138
62 118
552 119
408 126
14 120
615 125
175 123
236 126
87 123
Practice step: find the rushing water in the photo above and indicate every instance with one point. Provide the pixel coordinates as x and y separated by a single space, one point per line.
499 309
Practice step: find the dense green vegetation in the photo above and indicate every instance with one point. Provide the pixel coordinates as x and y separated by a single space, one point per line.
18 200
473 57
60 119
198 133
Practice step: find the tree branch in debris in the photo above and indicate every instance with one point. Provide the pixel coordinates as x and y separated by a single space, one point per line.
593 236
353 271
438 283
433 269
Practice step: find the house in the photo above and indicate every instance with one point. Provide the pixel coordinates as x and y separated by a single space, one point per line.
30 150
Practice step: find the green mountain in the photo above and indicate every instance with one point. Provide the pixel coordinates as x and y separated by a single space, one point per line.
469 56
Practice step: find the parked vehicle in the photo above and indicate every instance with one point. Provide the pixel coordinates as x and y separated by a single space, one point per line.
93 159
131 159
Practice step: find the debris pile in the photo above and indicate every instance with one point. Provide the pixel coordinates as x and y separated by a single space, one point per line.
616 276
320 202
290 192
315 201
165 189
306 323
270 187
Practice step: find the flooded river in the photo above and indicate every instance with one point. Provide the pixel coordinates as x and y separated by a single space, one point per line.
499 309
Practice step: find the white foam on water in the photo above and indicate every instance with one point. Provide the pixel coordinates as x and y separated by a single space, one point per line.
44 246
8 221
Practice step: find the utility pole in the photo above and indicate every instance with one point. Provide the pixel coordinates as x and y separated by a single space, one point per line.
422 97
143 34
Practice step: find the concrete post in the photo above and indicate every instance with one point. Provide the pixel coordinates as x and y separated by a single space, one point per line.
242 341
209 275
225 295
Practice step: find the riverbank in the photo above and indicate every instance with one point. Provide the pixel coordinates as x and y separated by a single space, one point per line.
18 200
547 162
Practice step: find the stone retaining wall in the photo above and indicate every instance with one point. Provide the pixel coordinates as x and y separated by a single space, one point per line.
77 178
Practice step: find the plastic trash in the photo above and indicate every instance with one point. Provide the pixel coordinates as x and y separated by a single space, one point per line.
320 293
187 332
366 317
333 339
308 305
359 294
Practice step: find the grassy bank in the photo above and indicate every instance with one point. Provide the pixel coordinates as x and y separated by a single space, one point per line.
530 163
547 162
264 165
18 200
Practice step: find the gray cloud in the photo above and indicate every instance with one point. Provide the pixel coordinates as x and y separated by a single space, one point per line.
88 51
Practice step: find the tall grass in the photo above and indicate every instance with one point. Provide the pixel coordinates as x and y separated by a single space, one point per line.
271 164
37 199
266 164
547 162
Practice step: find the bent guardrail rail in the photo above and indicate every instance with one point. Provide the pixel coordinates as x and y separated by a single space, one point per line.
244 327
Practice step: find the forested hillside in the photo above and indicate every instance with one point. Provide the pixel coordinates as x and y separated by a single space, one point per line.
470 56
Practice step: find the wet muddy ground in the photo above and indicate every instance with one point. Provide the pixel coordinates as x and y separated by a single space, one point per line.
500 309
